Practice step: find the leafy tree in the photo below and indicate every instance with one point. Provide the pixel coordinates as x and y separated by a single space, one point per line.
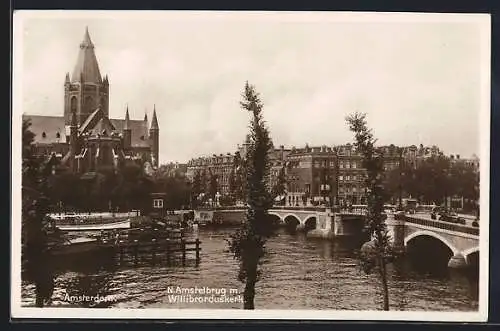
35 223
279 188
196 189
248 242
232 183
239 177
374 254
213 186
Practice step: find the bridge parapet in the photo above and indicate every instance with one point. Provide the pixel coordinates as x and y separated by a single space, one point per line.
442 225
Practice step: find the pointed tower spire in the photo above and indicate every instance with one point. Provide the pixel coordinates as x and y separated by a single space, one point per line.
86 65
126 125
67 80
127 131
154 121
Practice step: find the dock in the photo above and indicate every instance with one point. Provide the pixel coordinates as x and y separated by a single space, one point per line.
144 245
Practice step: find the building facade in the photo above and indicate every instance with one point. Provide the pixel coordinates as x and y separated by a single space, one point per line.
84 139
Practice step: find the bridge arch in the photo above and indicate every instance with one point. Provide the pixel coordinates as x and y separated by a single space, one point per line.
292 215
282 219
434 235
292 222
310 222
471 255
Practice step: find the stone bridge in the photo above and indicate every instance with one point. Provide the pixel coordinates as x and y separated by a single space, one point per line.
419 234
321 222
416 234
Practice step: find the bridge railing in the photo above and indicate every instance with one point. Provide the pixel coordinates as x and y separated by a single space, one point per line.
302 208
442 225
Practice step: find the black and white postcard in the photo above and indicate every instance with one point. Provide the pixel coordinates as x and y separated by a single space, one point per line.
250 165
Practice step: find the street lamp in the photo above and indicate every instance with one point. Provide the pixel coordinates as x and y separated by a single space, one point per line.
336 169
400 184
217 199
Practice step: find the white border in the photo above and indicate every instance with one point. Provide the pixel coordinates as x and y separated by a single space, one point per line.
484 23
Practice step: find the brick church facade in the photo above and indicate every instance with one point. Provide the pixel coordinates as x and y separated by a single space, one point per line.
85 139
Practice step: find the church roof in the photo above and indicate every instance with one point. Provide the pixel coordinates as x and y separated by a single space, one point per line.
47 128
104 124
139 139
51 125
86 65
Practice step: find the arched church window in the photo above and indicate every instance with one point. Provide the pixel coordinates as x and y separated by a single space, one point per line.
89 103
73 104
44 135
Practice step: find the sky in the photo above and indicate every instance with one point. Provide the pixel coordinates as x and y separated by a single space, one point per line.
418 80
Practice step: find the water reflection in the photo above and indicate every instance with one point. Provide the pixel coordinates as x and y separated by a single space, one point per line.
298 273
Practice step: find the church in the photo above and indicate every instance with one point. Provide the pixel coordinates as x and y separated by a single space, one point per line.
85 140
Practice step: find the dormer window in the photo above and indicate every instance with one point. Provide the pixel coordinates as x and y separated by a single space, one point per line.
142 137
44 135
58 135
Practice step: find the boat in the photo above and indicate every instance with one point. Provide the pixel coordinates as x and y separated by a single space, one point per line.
78 245
116 225
91 222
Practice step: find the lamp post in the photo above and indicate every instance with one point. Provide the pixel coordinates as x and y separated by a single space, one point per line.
217 199
336 169
400 184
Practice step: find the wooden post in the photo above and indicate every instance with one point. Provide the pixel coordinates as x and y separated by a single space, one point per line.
136 249
183 248
197 242
121 252
168 250
153 249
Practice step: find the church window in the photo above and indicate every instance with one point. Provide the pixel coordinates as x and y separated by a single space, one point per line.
73 104
89 104
44 135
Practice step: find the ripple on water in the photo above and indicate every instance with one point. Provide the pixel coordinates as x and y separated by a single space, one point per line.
297 274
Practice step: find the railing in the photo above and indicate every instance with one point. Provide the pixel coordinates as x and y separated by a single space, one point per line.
299 208
443 225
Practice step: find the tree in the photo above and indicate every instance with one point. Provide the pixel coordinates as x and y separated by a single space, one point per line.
374 253
35 222
239 177
248 242
279 188
196 189
213 186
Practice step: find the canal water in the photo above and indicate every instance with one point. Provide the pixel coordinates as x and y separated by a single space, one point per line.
297 273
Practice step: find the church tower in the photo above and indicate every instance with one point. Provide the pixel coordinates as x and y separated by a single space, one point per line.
85 90
154 139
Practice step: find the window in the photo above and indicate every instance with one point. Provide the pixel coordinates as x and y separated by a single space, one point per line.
354 165
341 177
347 165
73 104
157 203
341 165
332 163
44 134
